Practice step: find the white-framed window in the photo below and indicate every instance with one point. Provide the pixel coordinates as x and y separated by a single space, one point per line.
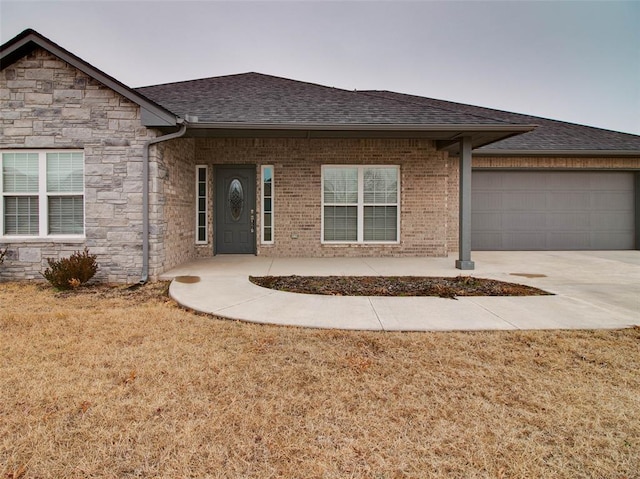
267 211
201 204
360 204
42 193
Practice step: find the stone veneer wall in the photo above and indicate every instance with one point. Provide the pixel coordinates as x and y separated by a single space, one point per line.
46 103
424 179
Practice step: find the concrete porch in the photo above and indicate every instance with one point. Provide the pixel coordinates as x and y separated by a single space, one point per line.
592 290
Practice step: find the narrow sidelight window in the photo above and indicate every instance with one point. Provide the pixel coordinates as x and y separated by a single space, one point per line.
267 205
201 204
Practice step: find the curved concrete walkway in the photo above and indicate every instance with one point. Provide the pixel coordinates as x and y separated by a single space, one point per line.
592 290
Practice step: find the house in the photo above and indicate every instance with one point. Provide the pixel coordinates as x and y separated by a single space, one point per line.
152 177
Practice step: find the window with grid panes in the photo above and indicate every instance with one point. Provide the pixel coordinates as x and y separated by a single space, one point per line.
42 193
267 205
201 204
360 204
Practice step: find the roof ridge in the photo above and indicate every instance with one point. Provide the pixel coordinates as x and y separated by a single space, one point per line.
251 73
193 80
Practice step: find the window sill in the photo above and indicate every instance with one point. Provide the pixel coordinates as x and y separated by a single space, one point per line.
42 239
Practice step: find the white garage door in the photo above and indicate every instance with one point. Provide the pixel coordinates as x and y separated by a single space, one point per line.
533 210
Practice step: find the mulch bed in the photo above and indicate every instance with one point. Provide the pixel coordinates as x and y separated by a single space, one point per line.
395 286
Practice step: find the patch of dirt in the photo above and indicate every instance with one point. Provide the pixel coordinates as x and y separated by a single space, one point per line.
443 287
152 291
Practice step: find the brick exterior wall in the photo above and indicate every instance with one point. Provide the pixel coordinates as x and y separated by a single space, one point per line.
429 192
452 204
424 180
172 198
561 162
46 103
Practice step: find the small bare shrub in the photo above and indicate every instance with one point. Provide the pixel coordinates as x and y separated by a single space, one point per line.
2 255
71 272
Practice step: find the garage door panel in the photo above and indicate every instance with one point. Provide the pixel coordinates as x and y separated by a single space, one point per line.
481 240
568 240
488 182
613 181
612 201
562 181
533 210
523 241
485 200
564 222
524 200
486 221
616 239
612 221
518 182
568 200
524 221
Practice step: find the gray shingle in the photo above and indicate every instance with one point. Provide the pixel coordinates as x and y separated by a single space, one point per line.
257 98
254 98
549 135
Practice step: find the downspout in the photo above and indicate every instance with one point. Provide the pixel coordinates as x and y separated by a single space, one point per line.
145 195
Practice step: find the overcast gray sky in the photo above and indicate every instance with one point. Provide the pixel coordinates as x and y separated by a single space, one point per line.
574 60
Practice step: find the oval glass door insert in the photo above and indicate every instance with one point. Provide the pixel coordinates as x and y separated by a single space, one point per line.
235 197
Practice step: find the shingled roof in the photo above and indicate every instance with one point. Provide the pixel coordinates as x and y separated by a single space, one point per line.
550 136
258 98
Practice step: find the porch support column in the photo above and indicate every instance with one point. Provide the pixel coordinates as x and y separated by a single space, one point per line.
464 230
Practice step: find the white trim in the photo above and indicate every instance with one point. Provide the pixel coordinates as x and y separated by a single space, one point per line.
360 206
262 212
206 204
39 239
43 199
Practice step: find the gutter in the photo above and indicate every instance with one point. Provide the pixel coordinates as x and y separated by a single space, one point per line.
365 126
145 194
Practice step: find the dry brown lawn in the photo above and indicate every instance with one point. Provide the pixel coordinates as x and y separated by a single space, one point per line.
107 383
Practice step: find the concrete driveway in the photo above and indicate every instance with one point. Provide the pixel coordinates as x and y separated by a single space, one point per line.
592 290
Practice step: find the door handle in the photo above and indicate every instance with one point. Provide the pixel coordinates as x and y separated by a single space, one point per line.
253 221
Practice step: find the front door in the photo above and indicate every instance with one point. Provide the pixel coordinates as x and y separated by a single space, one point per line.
235 210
